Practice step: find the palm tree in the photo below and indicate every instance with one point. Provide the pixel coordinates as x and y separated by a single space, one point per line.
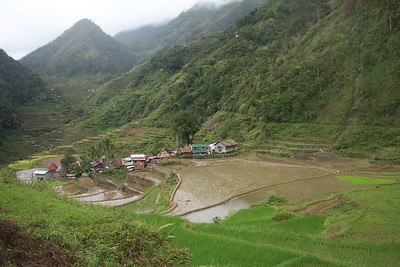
106 146
93 152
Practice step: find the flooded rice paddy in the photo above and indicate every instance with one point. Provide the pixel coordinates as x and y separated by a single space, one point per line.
218 188
212 188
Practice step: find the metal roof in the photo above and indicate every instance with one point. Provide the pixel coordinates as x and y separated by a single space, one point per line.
40 172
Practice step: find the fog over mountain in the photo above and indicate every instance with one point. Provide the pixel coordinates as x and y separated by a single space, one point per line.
26 25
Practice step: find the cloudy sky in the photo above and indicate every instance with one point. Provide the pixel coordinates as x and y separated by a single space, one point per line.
26 25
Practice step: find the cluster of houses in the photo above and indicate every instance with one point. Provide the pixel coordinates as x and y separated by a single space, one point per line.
140 161
222 147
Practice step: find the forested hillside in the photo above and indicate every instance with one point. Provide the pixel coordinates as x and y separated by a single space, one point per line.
203 18
305 68
21 89
18 86
82 49
81 59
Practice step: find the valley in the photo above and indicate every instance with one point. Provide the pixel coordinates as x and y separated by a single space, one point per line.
304 97
226 204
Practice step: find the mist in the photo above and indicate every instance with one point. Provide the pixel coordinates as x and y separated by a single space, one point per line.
26 25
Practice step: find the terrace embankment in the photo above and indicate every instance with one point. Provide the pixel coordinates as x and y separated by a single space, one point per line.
320 207
221 186
138 182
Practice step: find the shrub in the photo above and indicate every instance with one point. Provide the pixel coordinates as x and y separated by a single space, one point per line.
271 201
282 217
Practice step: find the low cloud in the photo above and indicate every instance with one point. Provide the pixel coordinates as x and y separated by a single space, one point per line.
26 25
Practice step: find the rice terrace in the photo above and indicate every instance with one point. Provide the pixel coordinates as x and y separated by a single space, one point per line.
247 210
221 133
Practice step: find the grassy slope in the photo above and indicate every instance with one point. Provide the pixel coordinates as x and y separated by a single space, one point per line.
93 235
361 231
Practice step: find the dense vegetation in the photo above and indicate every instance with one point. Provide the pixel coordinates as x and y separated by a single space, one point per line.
321 63
89 235
201 19
22 95
82 49
18 86
298 73
81 59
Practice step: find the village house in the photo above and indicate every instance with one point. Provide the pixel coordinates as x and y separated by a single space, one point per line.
163 154
118 162
150 157
52 167
138 157
211 148
42 174
139 161
97 166
186 150
226 146
127 161
199 149
175 151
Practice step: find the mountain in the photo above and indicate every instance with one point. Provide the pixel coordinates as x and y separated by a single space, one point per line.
22 94
83 56
203 18
84 49
18 86
313 71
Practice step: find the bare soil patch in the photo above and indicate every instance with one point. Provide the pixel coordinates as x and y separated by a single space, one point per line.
334 229
130 130
320 207
46 162
21 249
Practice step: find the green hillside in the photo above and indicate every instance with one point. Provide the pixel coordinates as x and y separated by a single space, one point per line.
203 18
307 71
18 86
25 103
83 235
81 59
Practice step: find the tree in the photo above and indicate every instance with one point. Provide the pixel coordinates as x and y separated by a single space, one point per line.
66 161
106 145
185 124
391 8
93 152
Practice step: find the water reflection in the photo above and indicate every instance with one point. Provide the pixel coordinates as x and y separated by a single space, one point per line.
223 210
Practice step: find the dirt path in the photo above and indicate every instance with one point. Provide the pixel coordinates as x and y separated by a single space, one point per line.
320 207
44 163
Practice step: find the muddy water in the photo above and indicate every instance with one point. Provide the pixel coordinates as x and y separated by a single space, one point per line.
96 193
305 189
207 185
211 184
25 176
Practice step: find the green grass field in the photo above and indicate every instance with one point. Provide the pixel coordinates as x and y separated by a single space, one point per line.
362 180
92 235
29 163
362 230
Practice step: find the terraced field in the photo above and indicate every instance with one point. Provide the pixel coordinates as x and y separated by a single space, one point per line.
288 149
